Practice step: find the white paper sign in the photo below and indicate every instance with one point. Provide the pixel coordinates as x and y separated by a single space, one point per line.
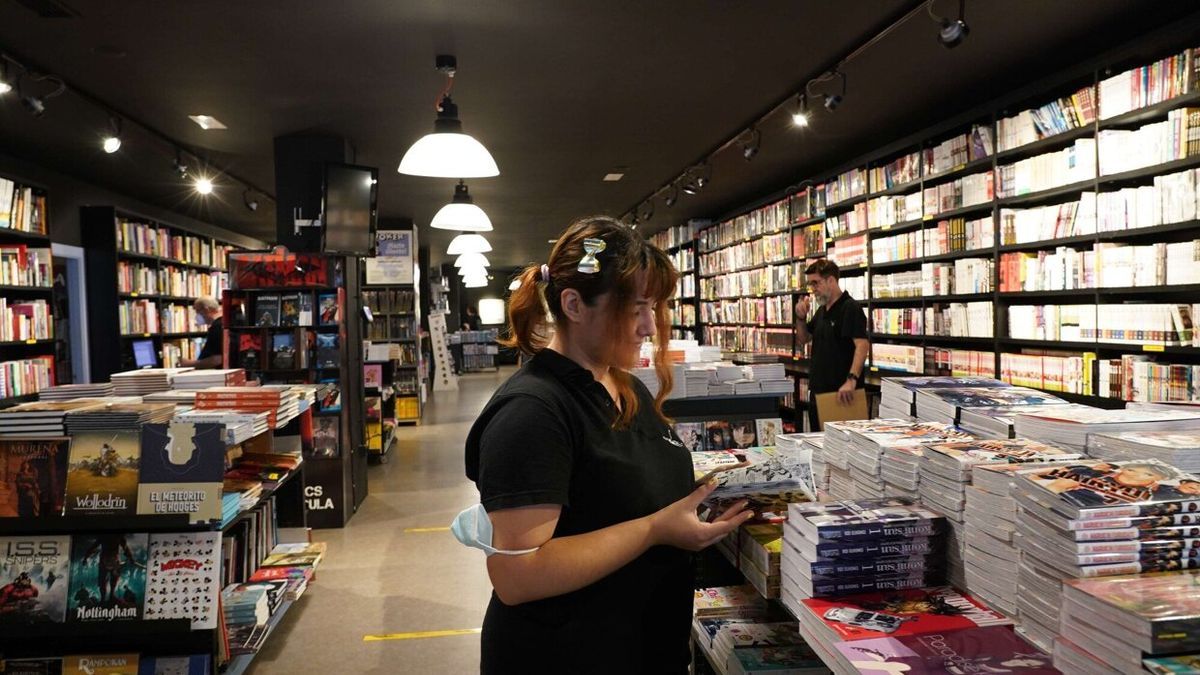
393 261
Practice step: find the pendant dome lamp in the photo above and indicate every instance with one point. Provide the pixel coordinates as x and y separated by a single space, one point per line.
475 282
472 271
467 260
461 214
468 243
448 152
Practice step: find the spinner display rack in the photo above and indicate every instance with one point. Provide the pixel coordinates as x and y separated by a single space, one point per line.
135 265
336 478
806 212
26 225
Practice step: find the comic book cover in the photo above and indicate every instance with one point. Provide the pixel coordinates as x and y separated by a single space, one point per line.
183 580
34 574
1097 489
100 664
888 518
102 476
250 350
717 435
744 434
328 354
902 613
33 476
767 429
289 309
326 436
327 309
108 576
1165 606
691 434
196 664
991 649
182 469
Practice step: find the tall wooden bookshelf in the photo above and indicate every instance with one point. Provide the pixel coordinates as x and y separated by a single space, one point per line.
149 273
27 339
978 178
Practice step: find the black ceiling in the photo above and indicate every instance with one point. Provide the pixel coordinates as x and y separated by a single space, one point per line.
560 91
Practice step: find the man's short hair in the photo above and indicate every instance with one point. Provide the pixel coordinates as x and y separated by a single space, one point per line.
206 303
825 268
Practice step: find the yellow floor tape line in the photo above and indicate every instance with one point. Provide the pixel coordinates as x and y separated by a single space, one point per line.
426 529
422 634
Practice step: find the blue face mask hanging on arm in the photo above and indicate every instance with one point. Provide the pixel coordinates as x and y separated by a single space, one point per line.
473 528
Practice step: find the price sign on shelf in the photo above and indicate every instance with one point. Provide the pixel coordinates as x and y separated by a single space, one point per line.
1153 348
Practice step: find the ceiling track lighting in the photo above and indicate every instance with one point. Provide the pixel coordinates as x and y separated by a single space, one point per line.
952 33
832 101
448 152
181 169
646 210
204 185
750 145
800 113
672 195
247 198
112 142
34 104
6 84
461 214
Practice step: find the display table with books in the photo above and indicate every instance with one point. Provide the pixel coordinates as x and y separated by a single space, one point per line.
121 522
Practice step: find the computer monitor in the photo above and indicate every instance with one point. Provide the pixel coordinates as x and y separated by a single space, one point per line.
144 354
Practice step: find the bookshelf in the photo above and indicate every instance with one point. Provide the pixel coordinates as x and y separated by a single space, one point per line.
294 318
975 246
240 543
394 366
28 344
159 270
679 242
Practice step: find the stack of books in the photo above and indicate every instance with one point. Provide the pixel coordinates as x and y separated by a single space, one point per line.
281 403
203 379
41 419
739 633
835 626
837 448
755 549
807 448
182 399
898 395
946 470
840 548
1092 518
901 471
239 426
943 404
868 443
1071 427
117 415
306 554
1128 623
145 381
1178 448
997 422
246 610
66 392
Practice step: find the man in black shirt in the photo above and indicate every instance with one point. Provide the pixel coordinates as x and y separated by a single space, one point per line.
838 332
209 311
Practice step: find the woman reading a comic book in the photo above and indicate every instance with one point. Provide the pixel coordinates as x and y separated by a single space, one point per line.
590 497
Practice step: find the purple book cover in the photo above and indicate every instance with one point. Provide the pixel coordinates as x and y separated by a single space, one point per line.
994 649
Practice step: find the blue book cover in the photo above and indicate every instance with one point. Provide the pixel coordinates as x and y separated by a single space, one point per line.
196 664
183 468
108 577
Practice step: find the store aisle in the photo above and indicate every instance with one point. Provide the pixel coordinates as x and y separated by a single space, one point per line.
380 579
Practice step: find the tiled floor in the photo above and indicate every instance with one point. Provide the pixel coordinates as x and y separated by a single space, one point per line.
379 579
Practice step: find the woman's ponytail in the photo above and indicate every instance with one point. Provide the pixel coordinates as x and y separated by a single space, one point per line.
527 327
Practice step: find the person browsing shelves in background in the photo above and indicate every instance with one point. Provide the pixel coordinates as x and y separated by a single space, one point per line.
838 332
208 311
590 497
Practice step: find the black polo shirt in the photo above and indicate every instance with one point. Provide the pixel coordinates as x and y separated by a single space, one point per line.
833 331
213 342
546 437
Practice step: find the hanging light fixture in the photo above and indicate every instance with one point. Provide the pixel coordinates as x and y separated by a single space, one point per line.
471 260
468 243
448 152
475 282
461 214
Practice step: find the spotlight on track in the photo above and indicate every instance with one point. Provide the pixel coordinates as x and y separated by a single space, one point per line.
832 101
672 196
800 114
204 185
750 145
646 210
112 142
952 32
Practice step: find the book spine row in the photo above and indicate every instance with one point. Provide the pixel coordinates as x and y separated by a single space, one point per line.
876 531
900 171
1158 324
774 248
24 266
765 220
773 310
21 208
25 320
773 279
26 376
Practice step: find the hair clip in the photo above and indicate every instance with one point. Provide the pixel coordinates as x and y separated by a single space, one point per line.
589 264
545 273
